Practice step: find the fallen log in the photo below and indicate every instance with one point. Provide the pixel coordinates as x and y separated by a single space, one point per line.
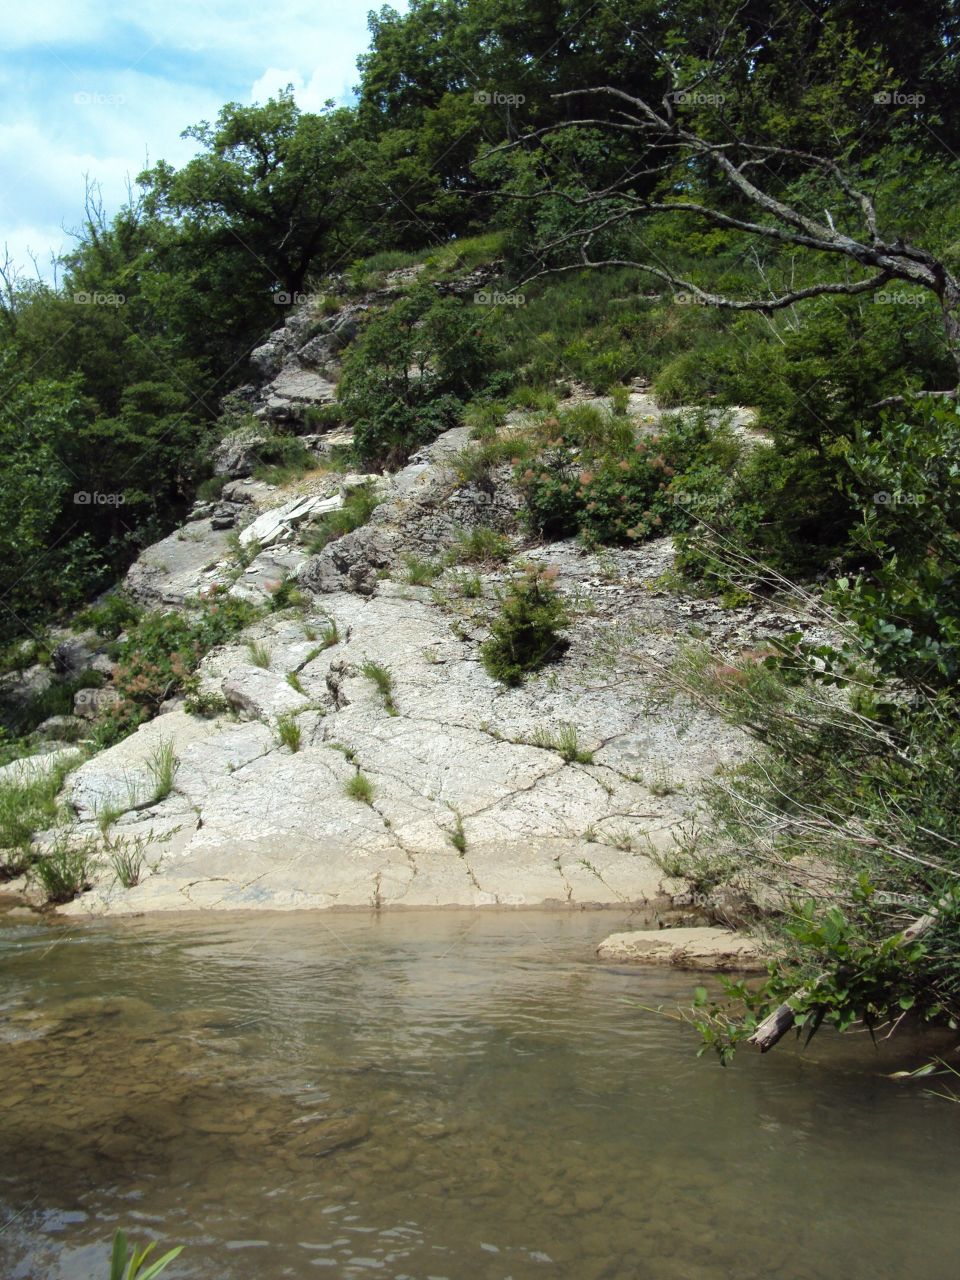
776 1025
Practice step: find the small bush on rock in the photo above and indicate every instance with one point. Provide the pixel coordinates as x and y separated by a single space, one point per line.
526 635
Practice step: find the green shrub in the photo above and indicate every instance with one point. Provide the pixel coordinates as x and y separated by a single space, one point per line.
115 613
359 787
582 485
526 634
480 545
484 418
406 374
281 459
286 595
163 649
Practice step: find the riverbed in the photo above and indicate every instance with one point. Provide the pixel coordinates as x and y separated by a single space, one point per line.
455 1095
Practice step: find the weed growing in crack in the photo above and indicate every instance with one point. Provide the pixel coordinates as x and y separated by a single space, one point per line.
360 788
458 837
565 742
288 732
382 678
259 654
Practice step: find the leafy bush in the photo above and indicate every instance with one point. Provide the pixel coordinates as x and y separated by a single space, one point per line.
162 650
583 485
110 616
526 634
405 376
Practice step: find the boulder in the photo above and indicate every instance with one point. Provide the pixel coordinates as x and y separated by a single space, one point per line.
275 524
704 948
236 454
89 704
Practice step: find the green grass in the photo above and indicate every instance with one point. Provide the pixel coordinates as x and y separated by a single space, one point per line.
565 742
360 788
359 504
470 586
382 678
420 573
329 636
289 733
259 654
481 545
64 870
295 683
25 809
128 857
162 767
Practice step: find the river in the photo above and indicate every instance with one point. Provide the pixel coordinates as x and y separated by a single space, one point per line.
465 1096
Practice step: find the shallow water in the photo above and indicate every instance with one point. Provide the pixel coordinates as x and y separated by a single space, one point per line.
442 1095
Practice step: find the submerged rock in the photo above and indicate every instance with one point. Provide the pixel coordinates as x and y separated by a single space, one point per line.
696 948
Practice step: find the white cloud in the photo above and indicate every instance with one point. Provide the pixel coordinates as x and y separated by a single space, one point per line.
97 87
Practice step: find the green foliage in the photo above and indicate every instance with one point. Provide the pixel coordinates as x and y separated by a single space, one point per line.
130 1263
163 649
25 808
479 545
289 733
566 742
110 616
405 376
359 787
421 572
907 488
259 654
596 481
458 836
525 636
359 504
65 868
382 678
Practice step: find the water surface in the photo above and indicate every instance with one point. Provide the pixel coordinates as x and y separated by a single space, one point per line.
439 1096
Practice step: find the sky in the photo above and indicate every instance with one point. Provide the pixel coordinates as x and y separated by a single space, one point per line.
102 88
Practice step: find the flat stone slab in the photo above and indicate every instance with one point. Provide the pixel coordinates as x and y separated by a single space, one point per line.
698 948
